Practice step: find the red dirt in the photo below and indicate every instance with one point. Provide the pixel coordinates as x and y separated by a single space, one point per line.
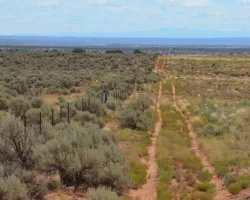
65 193
148 191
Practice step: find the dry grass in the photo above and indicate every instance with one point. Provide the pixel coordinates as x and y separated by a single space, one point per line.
181 174
218 98
52 99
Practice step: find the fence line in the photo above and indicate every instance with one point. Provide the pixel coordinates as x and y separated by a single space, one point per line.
52 121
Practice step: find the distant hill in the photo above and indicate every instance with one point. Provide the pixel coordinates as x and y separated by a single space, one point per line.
106 41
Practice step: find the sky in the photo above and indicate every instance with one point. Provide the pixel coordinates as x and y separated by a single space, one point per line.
126 18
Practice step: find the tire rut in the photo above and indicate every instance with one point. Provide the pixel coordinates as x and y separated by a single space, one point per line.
221 191
148 191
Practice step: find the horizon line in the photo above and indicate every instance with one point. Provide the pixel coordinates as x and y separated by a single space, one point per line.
124 37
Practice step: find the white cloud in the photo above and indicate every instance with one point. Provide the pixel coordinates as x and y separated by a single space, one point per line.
195 3
186 3
10 16
28 20
214 17
244 1
47 2
122 8
101 2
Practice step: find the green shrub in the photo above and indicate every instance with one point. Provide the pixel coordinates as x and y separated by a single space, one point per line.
112 104
16 145
64 111
61 100
12 188
204 187
136 114
138 173
20 184
35 187
19 106
3 103
101 193
74 90
66 82
211 130
229 179
221 169
234 188
78 50
91 104
87 117
33 116
204 176
85 155
244 183
19 84
202 196
114 51
37 102
136 51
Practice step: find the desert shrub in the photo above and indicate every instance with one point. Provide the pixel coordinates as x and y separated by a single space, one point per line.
136 51
85 155
66 82
58 73
33 116
46 110
152 77
52 90
234 188
138 173
210 130
91 104
114 51
229 179
61 99
204 187
72 110
101 193
87 117
136 114
36 102
3 103
244 183
121 89
201 196
26 184
35 187
93 91
74 90
19 106
204 175
78 50
112 104
53 183
19 85
12 188
221 169
197 123
16 145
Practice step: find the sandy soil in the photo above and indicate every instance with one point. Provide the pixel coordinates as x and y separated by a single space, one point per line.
148 191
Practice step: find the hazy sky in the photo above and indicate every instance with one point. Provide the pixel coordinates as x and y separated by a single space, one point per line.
181 18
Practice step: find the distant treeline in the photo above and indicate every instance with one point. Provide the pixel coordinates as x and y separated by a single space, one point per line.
112 51
136 51
115 51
